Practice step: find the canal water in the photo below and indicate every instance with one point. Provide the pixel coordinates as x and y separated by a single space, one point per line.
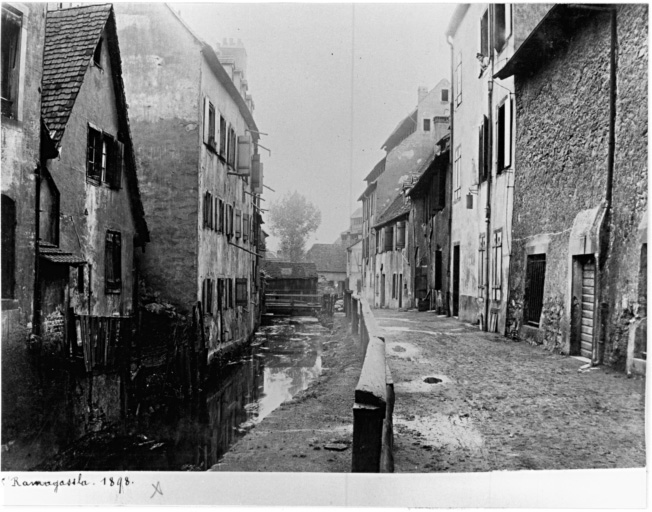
284 358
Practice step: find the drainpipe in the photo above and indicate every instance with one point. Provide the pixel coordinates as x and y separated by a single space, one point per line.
36 303
451 153
490 85
604 247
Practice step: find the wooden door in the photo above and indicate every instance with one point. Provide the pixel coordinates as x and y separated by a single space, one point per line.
587 302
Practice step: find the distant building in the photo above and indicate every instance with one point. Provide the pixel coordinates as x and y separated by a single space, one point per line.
578 282
409 150
196 141
330 262
430 195
354 267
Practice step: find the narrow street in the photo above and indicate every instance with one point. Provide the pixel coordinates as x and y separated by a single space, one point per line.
492 404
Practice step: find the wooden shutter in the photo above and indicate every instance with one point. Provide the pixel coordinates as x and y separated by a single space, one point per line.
206 121
481 168
108 261
117 165
245 227
400 235
222 136
238 223
117 259
389 238
508 134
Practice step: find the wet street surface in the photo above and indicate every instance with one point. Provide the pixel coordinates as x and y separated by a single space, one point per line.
283 360
471 401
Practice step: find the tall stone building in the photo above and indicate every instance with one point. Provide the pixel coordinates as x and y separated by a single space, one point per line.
579 280
197 146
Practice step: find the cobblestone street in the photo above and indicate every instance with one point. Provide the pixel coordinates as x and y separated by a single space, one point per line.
495 404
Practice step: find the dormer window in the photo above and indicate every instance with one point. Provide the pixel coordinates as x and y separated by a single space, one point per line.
97 54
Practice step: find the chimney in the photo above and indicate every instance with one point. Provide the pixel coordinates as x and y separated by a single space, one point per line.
422 93
441 126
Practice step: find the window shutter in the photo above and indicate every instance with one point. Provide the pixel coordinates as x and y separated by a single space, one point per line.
245 227
118 165
400 235
238 222
108 260
508 134
206 121
481 169
117 259
389 239
222 136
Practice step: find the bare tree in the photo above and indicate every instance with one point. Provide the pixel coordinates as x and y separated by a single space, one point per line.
292 219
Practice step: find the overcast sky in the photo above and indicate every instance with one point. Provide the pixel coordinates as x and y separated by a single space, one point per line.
329 82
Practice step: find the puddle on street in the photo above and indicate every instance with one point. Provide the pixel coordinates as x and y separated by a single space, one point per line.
284 358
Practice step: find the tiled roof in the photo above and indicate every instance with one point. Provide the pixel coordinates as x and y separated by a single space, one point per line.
288 270
71 36
406 127
397 208
378 169
327 257
55 255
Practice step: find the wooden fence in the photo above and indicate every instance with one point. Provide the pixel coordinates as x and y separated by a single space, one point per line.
373 409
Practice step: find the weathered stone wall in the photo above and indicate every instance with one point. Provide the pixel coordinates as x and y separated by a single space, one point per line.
20 158
561 154
161 71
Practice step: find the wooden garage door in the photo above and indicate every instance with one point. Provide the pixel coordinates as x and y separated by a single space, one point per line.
588 308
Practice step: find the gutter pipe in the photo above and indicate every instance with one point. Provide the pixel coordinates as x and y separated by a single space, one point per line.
451 153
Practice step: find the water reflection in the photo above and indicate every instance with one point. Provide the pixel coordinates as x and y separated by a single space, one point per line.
284 359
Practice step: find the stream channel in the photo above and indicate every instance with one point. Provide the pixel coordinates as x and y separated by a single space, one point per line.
283 359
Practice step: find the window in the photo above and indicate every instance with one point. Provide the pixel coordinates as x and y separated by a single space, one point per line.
97 54
484 35
113 262
377 241
483 149
502 25
497 265
12 22
104 158
426 125
482 248
8 246
209 125
444 95
458 81
394 279
222 137
400 235
232 144
438 269
389 238
534 281
208 210
49 207
245 227
207 296
220 212
504 125
229 287
241 298
80 279
238 222
457 166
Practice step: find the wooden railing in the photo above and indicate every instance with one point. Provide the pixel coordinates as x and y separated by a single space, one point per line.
374 394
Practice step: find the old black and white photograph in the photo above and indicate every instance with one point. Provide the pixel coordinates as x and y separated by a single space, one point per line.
316 242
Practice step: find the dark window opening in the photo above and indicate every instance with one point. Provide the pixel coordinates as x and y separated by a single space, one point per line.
504 136
534 284
484 35
389 238
104 158
444 95
426 125
400 235
241 298
12 22
97 54
113 262
207 296
483 149
222 136
502 26
80 279
8 247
